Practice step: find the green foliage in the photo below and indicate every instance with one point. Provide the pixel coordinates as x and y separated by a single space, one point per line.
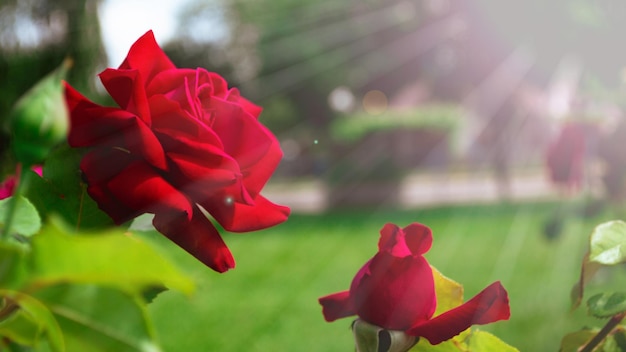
111 258
606 305
615 342
29 321
438 117
486 342
84 291
606 249
572 341
449 292
61 191
98 318
26 221
12 266
471 340
608 243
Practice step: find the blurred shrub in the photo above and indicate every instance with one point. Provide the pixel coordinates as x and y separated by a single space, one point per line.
445 117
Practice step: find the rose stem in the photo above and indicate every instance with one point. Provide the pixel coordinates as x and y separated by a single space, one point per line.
602 334
17 191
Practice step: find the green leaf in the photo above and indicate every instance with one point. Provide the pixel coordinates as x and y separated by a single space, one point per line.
30 322
587 271
606 305
449 292
473 340
614 342
608 243
452 345
482 341
26 221
20 328
12 270
573 341
606 247
112 258
98 319
61 191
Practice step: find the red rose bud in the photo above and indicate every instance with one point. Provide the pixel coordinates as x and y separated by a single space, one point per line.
395 290
39 120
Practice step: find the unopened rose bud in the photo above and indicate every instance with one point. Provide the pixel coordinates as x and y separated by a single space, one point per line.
39 120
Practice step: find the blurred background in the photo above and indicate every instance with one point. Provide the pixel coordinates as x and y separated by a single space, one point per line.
365 92
385 105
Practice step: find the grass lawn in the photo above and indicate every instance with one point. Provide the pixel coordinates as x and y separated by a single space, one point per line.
269 302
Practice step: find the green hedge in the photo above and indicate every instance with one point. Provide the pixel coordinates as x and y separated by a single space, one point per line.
351 128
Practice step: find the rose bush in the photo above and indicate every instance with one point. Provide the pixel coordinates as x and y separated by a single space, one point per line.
395 290
181 143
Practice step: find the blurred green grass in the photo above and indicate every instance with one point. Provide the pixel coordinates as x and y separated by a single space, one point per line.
269 301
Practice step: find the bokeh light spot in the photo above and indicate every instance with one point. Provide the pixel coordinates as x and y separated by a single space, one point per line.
375 102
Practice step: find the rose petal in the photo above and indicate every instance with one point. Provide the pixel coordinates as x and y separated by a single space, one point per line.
94 125
168 118
336 306
146 56
418 237
197 236
140 188
7 187
413 240
213 170
99 166
236 217
490 305
393 242
253 146
394 293
127 89
84 114
247 105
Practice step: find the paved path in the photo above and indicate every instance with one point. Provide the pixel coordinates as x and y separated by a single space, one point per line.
421 190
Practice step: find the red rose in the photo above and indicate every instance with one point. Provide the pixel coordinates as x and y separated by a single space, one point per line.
566 156
180 142
395 290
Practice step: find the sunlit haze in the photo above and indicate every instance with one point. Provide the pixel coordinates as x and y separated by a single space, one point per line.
123 21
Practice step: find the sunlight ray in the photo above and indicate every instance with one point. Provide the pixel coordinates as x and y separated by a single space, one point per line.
333 34
298 73
512 246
